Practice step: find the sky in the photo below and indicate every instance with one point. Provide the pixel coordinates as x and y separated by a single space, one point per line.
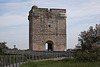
14 24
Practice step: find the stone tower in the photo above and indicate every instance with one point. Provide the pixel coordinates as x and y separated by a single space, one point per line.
47 26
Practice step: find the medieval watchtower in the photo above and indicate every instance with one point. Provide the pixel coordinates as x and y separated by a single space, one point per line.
47 27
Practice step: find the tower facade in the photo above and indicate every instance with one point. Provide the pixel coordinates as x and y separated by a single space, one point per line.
47 29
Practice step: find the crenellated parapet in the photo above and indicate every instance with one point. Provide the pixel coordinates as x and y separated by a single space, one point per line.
45 12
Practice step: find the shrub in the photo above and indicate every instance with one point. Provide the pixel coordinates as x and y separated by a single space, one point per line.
87 56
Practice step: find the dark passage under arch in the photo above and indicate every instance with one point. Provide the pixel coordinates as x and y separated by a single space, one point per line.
49 46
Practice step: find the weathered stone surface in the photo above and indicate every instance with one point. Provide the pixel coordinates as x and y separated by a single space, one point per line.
47 25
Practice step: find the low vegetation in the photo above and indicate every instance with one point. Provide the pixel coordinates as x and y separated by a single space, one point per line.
68 62
3 46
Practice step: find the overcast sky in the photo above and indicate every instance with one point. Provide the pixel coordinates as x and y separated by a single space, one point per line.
14 25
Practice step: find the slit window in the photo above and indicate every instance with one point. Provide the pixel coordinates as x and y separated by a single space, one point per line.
49 25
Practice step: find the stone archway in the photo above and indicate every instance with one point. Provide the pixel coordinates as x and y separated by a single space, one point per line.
49 46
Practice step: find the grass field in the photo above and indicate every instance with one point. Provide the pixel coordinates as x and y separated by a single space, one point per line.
62 63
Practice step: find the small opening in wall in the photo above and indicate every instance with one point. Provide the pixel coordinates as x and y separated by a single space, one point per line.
49 25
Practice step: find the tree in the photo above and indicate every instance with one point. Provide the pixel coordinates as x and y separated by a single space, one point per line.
15 49
3 46
89 41
89 37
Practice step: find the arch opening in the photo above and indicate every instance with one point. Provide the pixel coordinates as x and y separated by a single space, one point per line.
49 46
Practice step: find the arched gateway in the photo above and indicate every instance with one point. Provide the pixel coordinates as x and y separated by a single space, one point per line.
49 46
47 26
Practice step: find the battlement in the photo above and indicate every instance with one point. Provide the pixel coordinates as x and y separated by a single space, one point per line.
58 10
45 12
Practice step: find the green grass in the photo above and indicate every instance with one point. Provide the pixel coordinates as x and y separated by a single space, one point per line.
61 63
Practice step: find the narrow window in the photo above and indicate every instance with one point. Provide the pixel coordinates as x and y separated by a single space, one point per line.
49 25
